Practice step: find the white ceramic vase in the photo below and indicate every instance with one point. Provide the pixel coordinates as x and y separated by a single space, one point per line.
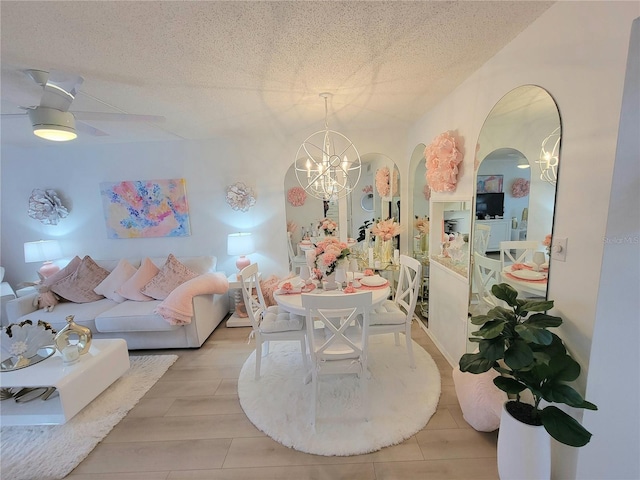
524 451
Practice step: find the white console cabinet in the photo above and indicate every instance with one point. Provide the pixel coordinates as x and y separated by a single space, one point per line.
500 232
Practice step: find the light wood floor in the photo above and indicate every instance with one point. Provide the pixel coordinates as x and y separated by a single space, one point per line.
190 426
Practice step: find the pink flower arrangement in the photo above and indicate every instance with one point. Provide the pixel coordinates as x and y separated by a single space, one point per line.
287 287
387 229
382 181
426 191
368 189
421 224
296 196
520 188
368 272
442 158
547 243
324 258
328 226
350 289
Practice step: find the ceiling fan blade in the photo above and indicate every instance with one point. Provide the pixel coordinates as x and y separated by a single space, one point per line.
127 117
88 129
60 89
14 115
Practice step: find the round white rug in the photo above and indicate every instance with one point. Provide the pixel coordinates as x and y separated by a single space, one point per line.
402 400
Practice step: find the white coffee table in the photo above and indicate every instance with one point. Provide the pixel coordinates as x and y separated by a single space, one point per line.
77 385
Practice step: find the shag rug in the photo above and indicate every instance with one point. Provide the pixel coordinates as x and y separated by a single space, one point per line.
47 452
402 400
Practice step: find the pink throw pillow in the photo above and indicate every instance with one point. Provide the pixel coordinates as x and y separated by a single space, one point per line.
131 288
78 287
109 286
70 268
171 274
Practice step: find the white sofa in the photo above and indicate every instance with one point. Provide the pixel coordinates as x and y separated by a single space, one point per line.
131 320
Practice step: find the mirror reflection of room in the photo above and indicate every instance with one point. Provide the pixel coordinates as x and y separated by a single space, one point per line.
518 150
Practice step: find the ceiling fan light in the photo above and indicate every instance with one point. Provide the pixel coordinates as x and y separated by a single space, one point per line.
52 124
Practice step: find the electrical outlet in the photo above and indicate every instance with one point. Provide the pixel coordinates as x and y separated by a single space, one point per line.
559 249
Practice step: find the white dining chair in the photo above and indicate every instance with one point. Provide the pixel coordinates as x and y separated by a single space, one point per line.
481 235
295 261
269 323
395 316
486 273
337 334
522 251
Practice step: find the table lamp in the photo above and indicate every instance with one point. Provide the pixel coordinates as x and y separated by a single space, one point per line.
240 244
43 251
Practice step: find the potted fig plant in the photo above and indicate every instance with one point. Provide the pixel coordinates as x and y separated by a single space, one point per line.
516 342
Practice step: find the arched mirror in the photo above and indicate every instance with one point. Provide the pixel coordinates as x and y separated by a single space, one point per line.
354 213
515 191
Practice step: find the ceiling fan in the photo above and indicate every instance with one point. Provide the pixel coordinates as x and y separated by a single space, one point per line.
52 119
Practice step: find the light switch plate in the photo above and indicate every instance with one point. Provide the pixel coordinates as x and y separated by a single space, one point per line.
559 249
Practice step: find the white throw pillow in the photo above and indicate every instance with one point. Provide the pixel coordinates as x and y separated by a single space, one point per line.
109 286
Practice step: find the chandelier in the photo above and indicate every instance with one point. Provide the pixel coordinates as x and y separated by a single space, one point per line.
549 155
327 163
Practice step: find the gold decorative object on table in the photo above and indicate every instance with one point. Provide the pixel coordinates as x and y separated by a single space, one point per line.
71 351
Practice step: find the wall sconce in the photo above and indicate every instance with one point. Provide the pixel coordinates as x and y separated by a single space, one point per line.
43 251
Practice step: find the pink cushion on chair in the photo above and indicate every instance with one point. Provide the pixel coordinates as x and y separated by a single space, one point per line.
131 288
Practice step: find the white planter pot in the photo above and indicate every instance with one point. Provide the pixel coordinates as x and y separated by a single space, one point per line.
524 451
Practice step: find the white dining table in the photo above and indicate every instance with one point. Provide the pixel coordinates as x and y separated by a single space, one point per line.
292 302
537 288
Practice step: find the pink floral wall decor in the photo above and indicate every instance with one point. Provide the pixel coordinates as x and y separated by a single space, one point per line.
442 158
520 188
296 196
383 182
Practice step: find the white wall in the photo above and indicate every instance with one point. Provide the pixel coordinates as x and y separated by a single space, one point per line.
577 51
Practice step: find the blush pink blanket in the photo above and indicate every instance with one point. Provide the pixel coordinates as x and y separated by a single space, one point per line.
177 308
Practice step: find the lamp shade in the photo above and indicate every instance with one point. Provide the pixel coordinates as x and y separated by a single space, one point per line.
240 244
42 251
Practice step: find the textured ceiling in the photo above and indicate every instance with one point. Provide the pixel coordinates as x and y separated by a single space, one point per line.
235 68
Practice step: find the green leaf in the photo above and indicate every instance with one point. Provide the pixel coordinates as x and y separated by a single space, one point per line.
492 350
505 292
564 428
474 363
536 305
561 393
490 329
564 368
533 334
480 319
518 355
542 320
509 385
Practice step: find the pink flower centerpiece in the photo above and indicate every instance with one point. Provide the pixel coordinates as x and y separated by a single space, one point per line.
326 255
386 229
328 226
442 158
